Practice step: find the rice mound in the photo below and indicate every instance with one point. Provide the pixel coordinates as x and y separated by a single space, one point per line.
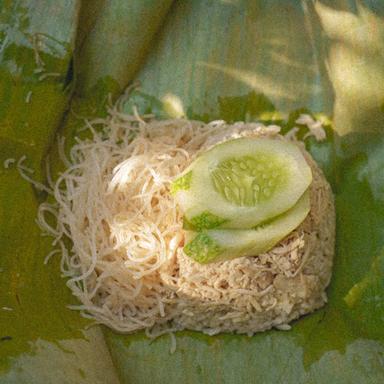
251 294
125 260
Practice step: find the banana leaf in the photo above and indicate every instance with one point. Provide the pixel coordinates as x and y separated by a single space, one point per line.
231 59
40 339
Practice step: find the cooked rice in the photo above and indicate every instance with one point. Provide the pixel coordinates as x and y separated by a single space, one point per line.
126 263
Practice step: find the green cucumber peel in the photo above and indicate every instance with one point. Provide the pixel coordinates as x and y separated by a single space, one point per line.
224 244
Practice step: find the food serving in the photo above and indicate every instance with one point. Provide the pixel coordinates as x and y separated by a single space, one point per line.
178 224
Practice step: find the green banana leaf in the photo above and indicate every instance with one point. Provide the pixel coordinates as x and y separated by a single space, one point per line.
60 62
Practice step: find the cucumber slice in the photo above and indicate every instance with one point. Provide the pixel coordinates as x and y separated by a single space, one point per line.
243 182
225 244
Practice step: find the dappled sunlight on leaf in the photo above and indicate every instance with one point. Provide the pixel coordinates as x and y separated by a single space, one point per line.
204 52
355 66
366 298
252 80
